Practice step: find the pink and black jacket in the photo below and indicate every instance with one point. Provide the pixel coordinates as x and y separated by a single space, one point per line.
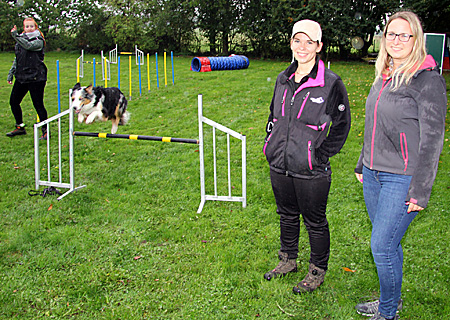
308 123
404 129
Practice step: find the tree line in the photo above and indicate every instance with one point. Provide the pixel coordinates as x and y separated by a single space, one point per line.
258 28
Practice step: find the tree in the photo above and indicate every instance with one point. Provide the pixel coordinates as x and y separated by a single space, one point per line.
267 25
434 14
219 19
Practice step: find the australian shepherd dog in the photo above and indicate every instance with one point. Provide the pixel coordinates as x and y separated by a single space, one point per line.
98 103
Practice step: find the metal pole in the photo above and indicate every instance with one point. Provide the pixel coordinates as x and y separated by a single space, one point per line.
201 154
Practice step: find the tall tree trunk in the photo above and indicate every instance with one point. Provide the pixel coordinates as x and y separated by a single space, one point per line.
225 43
212 43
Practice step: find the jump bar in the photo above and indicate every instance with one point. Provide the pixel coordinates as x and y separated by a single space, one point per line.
134 137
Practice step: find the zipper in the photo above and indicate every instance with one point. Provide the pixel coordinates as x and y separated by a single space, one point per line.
309 155
404 148
289 121
267 142
305 98
283 103
375 121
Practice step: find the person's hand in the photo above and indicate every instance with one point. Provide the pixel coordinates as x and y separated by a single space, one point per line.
413 207
359 176
10 82
14 28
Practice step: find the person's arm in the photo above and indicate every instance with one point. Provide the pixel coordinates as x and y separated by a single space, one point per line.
32 44
269 124
339 110
432 108
11 72
359 166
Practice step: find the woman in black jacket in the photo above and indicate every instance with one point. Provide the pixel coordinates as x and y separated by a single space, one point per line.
308 123
30 72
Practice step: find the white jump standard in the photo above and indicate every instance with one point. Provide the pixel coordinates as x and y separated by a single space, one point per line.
200 142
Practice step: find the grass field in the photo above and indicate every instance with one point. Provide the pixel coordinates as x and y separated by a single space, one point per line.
131 246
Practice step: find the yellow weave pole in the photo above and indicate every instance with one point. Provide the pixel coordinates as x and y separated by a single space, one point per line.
78 70
106 73
148 71
165 70
129 66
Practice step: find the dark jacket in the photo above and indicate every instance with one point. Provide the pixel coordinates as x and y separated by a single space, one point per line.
28 65
404 129
307 125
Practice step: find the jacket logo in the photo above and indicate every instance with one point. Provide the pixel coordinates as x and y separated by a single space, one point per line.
317 100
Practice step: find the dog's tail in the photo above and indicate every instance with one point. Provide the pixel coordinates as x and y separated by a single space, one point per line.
125 118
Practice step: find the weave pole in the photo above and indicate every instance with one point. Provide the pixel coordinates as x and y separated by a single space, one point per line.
134 137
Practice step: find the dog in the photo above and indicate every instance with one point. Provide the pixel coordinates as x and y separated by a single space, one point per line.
98 103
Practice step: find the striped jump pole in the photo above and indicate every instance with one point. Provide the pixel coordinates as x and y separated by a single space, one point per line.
134 137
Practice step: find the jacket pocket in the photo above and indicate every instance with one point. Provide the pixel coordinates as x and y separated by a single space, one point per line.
404 149
266 143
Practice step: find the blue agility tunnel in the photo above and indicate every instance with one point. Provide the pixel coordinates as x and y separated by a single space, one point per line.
233 62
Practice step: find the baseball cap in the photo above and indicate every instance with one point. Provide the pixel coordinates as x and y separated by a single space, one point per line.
308 27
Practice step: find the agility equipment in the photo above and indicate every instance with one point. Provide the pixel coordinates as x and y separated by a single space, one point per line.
106 67
133 137
200 142
113 55
206 64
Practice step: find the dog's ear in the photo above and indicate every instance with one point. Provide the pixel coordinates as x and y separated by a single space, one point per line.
89 89
77 86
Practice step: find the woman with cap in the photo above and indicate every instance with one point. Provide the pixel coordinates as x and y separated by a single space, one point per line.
308 123
403 138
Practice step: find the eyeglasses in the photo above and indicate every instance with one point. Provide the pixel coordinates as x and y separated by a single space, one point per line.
403 37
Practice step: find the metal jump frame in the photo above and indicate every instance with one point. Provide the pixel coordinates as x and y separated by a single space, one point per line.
138 53
201 120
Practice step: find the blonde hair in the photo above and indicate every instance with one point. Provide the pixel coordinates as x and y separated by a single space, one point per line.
405 72
36 26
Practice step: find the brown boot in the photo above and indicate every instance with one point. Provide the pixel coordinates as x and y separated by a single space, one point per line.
285 266
312 281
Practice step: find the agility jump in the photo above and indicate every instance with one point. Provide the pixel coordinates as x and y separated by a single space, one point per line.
201 121
134 137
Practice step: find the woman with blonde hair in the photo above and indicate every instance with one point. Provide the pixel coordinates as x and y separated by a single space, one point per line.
404 133
30 72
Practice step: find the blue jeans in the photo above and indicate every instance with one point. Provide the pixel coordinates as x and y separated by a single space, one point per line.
385 196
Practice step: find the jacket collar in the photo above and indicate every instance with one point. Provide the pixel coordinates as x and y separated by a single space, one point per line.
428 65
316 78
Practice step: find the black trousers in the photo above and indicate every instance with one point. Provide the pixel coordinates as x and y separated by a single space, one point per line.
19 91
295 197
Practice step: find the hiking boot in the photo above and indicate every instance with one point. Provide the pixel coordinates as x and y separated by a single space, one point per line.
312 281
18 131
378 316
370 308
285 266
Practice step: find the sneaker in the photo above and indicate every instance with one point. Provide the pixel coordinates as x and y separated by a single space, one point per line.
285 266
44 134
378 316
370 308
312 281
18 131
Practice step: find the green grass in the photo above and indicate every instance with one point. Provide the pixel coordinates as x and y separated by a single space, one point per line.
131 246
